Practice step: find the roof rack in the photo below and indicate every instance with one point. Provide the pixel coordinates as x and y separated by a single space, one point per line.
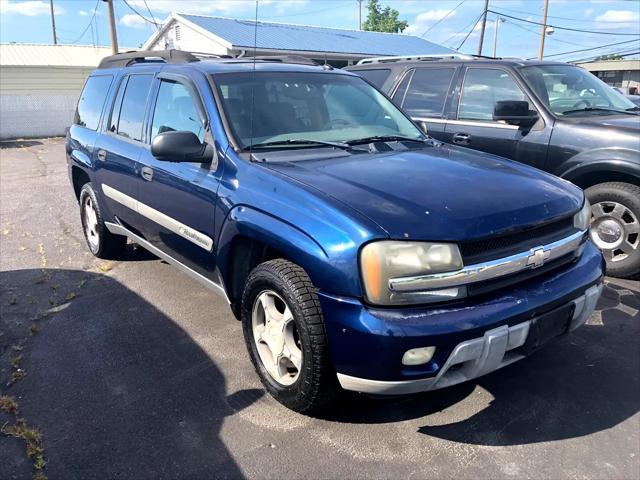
128 58
415 58
298 59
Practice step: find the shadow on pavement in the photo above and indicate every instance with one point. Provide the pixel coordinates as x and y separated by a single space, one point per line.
19 143
580 384
117 388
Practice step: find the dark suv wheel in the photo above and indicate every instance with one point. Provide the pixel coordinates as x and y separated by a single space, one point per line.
615 226
101 242
285 335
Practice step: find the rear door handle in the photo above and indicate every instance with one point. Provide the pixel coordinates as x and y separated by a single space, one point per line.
462 138
102 155
147 173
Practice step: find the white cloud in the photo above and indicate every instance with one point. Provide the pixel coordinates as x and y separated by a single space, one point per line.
622 16
588 12
30 8
425 19
82 13
134 21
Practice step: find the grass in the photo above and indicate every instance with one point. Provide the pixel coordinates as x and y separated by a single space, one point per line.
33 440
8 404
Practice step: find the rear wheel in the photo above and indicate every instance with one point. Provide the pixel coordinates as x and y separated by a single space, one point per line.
285 335
101 242
615 226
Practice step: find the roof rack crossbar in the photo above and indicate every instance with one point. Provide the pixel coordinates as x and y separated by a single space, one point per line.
128 58
298 59
428 57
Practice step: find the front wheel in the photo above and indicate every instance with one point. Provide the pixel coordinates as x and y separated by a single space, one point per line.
285 335
615 226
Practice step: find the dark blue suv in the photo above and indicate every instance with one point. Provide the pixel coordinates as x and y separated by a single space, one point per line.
357 252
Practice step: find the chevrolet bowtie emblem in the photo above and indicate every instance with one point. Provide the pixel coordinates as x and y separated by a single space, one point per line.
537 257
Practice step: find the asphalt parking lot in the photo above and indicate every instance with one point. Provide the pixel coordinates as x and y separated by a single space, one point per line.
129 369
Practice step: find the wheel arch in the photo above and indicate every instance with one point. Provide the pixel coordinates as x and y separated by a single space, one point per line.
603 165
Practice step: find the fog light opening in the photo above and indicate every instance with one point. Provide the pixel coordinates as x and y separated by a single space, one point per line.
418 356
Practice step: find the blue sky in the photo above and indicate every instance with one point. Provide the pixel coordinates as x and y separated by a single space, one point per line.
29 21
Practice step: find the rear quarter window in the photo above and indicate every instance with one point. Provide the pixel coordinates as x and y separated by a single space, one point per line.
91 102
375 76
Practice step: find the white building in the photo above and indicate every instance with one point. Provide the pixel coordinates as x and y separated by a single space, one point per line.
40 85
226 36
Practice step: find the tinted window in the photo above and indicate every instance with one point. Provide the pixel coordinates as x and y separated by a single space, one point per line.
428 92
481 90
398 96
92 100
133 106
176 111
377 77
115 113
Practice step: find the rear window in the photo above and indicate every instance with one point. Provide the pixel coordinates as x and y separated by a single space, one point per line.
428 91
92 100
376 77
128 112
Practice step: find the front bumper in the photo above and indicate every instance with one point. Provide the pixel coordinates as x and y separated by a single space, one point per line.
473 358
475 336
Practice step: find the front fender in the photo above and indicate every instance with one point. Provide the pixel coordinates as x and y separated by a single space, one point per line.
327 272
609 159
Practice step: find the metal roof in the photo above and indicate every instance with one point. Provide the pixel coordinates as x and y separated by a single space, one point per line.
30 55
279 36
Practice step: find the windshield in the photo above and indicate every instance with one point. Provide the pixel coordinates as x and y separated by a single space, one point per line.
266 107
568 90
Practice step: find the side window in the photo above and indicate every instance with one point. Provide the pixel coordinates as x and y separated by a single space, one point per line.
176 111
401 91
131 115
482 88
92 100
428 91
377 77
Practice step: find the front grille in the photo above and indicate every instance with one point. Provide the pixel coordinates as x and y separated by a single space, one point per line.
501 246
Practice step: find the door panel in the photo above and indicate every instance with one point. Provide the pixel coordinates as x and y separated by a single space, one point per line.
475 128
177 200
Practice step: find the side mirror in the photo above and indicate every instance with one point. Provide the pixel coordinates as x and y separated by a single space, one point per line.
182 146
515 112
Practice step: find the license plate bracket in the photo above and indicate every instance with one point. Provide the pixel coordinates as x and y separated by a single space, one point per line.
548 326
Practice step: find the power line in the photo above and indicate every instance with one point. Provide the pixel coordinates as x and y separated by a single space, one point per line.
139 14
566 18
470 31
95 10
622 53
152 17
443 18
587 49
563 28
474 22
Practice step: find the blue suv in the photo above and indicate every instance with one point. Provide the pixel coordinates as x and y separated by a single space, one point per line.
357 252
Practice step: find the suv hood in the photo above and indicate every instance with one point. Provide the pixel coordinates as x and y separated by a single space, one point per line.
441 193
622 122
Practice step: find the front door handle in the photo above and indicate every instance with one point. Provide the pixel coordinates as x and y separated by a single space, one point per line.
102 155
462 138
147 173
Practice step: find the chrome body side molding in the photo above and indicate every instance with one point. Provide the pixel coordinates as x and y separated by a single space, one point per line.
120 230
160 218
490 270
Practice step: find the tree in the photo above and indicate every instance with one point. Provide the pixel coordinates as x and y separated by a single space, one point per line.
611 56
383 19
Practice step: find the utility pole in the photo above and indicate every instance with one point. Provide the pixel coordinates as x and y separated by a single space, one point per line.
360 14
495 34
112 27
53 24
484 24
544 30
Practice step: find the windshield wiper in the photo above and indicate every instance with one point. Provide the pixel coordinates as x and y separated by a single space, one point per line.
597 109
632 109
385 138
298 141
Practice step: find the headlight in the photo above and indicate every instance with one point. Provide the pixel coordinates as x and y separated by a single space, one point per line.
380 261
582 219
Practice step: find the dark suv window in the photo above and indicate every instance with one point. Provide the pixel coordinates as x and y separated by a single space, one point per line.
482 88
92 100
376 76
128 112
176 110
427 92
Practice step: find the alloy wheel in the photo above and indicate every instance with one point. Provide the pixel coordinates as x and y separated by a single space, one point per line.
615 230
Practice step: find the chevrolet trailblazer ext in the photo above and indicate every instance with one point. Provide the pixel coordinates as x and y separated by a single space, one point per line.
357 252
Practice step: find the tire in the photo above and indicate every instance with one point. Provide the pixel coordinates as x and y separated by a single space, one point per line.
615 226
101 242
311 385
